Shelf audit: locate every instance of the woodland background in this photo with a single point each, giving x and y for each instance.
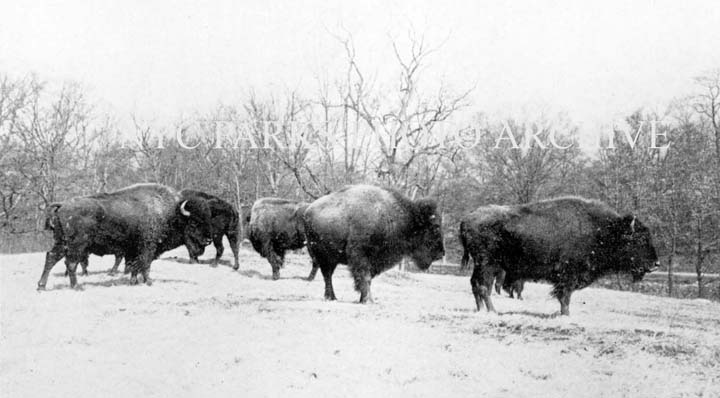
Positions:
(55, 143)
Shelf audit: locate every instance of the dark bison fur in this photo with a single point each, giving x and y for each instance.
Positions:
(513, 288)
(139, 222)
(276, 226)
(224, 221)
(370, 229)
(569, 242)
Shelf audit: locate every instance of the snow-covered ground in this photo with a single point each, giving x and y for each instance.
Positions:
(203, 331)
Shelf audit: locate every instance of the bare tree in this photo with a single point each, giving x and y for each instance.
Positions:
(707, 104)
(402, 121)
(524, 169)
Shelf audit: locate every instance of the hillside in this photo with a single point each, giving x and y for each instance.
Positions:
(211, 331)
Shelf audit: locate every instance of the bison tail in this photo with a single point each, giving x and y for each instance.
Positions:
(464, 260)
(466, 255)
(234, 224)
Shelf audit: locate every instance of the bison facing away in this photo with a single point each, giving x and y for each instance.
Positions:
(370, 229)
(570, 242)
(275, 227)
(223, 222)
(52, 221)
(140, 222)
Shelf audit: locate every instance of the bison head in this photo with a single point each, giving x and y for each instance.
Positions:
(637, 253)
(195, 213)
(298, 220)
(426, 234)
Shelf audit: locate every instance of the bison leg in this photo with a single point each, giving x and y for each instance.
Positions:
(518, 286)
(275, 260)
(313, 272)
(363, 282)
(71, 266)
(481, 282)
(234, 246)
(144, 261)
(84, 265)
(134, 265)
(51, 258)
(115, 267)
(499, 280)
(194, 256)
(563, 295)
(131, 263)
(219, 248)
(327, 272)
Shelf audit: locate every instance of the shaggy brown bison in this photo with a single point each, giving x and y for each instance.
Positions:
(370, 229)
(275, 227)
(569, 241)
(140, 222)
(51, 221)
(223, 222)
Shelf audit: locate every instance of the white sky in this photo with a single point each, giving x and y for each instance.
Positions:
(160, 59)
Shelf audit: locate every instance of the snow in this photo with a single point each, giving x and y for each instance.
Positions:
(204, 331)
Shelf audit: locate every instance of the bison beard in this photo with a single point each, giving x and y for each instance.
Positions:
(570, 242)
(140, 222)
(370, 229)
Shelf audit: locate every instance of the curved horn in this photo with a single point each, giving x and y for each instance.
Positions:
(183, 211)
(632, 225)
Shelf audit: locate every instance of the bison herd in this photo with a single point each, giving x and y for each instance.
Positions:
(569, 242)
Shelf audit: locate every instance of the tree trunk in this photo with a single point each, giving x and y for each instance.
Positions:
(699, 259)
(238, 204)
(671, 257)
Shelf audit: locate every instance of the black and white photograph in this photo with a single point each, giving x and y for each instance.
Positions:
(360, 198)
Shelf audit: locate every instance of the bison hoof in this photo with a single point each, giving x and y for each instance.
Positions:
(275, 276)
(41, 288)
(148, 282)
(134, 280)
(236, 267)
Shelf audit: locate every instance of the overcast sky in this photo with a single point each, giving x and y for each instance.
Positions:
(161, 59)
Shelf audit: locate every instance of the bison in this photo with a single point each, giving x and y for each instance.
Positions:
(370, 229)
(140, 222)
(224, 222)
(51, 221)
(276, 226)
(568, 241)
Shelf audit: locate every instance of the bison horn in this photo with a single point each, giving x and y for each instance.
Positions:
(182, 209)
(432, 217)
(632, 225)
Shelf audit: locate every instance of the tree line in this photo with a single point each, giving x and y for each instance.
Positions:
(55, 144)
